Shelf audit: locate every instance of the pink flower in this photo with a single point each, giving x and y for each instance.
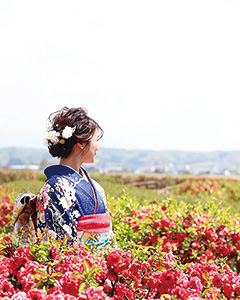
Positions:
(57, 295)
(210, 234)
(19, 296)
(181, 293)
(93, 293)
(195, 284)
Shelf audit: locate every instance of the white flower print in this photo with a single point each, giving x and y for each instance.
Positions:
(45, 194)
(67, 229)
(69, 192)
(76, 214)
(42, 217)
(64, 203)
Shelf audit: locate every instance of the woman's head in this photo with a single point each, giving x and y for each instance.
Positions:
(67, 127)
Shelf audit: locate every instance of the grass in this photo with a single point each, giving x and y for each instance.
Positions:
(14, 182)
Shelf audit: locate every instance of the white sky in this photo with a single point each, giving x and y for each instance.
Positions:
(154, 74)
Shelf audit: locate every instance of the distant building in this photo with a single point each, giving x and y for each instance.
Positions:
(24, 167)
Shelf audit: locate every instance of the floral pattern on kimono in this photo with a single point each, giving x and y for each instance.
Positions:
(64, 198)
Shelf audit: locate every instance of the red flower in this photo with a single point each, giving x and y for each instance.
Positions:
(108, 287)
(210, 234)
(179, 236)
(6, 208)
(69, 284)
(236, 237)
(167, 247)
(153, 239)
(222, 250)
(114, 258)
(54, 253)
(157, 223)
(4, 221)
(120, 269)
(7, 240)
(56, 288)
(209, 255)
(6, 289)
(228, 290)
(167, 222)
(237, 289)
(196, 245)
(164, 208)
(121, 289)
(37, 295)
(168, 279)
(69, 297)
(217, 280)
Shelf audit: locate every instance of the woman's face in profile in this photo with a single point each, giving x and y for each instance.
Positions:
(91, 149)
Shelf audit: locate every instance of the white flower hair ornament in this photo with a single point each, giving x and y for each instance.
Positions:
(60, 136)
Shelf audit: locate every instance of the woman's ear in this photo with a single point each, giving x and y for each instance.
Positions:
(79, 147)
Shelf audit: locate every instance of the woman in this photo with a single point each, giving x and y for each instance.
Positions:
(71, 205)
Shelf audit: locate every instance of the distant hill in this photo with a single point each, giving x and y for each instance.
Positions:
(110, 159)
(173, 161)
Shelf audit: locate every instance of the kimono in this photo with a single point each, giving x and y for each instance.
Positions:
(73, 206)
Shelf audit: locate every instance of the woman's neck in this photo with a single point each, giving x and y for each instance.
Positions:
(74, 159)
(72, 163)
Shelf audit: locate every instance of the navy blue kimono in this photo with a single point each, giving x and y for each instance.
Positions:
(64, 198)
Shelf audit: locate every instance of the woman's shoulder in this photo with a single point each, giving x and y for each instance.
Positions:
(60, 174)
(59, 170)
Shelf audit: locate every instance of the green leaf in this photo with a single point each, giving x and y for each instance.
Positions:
(86, 266)
(78, 274)
(90, 274)
(82, 287)
(41, 272)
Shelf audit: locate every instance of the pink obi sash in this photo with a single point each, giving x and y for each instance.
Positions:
(97, 223)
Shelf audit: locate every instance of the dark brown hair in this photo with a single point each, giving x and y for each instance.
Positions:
(72, 117)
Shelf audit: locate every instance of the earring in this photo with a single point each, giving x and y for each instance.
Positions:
(82, 149)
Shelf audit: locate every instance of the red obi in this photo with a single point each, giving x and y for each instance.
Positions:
(97, 223)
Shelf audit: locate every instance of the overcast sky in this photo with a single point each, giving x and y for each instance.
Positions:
(154, 74)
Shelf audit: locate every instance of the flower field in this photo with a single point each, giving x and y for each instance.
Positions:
(166, 249)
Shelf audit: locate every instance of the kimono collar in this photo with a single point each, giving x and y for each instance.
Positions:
(62, 170)
(85, 189)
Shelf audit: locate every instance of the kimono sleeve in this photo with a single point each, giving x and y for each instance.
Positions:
(57, 218)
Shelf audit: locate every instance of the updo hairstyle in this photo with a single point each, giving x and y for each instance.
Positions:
(75, 118)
